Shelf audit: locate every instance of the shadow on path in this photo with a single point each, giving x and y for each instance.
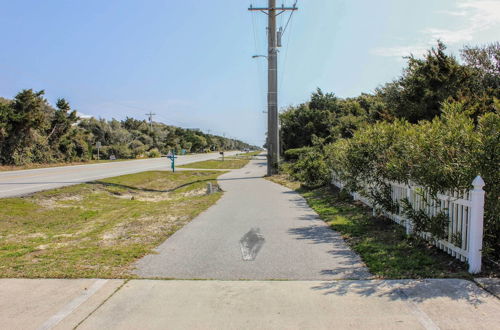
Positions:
(414, 290)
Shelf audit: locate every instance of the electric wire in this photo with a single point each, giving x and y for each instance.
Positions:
(285, 57)
(284, 28)
(290, 16)
(260, 68)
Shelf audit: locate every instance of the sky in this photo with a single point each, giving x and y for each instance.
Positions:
(190, 62)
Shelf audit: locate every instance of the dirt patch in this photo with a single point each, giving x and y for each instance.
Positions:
(153, 197)
(47, 203)
(65, 235)
(58, 202)
(197, 192)
(141, 230)
(125, 196)
(36, 235)
(76, 198)
(17, 236)
(42, 247)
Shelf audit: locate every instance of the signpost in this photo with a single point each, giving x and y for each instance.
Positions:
(222, 154)
(171, 155)
(98, 145)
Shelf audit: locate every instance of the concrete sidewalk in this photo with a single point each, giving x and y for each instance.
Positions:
(258, 230)
(158, 304)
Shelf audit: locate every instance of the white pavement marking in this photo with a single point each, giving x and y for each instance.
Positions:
(251, 243)
(72, 305)
(421, 316)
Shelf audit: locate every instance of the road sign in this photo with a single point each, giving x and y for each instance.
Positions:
(98, 145)
(171, 155)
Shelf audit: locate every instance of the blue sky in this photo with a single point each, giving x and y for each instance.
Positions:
(190, 61)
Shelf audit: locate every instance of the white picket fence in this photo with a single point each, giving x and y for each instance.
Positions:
(464, 210)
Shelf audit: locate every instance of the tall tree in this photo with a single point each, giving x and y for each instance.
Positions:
(26, 117)
(62, 121)
(425, 84)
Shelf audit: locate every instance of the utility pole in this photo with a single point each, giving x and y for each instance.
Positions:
(150, 118)
(273, 145)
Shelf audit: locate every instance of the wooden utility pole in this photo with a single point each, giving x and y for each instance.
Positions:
(150, 118)
(273, 145)
(272, 94)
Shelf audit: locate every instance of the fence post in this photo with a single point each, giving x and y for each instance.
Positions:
(476, 225)
(408, 223)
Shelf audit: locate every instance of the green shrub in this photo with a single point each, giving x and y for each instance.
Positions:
(442, 155)
(311, 168)
(294, 154)
(154, 153)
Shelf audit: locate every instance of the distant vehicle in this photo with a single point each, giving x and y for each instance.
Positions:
(112, 157)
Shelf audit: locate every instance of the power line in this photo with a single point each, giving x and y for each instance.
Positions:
(284, 62)
(290, 17)
(260, 69)
(150, 117)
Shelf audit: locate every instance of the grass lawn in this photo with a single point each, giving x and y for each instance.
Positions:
(98, 229)
(381, 243)
(249, 154)
(228, 163)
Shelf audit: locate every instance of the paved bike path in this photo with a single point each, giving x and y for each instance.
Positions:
(258, 230)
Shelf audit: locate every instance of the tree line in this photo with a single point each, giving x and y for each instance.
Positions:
(33, 131)
(437, 126)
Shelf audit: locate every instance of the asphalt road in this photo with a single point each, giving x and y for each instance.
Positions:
(17, 183)
(258, 230)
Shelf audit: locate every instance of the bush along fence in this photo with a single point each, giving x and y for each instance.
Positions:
(453, 222)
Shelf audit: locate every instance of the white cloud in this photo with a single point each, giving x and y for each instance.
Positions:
(479, 16)
(400, 51)
(453, 12)
(83, 116)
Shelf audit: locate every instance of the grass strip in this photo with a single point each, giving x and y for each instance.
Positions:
(98, 229)
(227, 163)
(382, 244)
